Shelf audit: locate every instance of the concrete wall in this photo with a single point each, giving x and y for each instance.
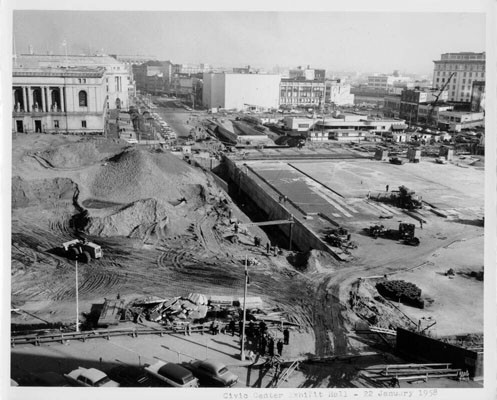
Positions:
(429, 349)
(266, 198)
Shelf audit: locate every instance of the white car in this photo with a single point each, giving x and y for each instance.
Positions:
(90, 377)
(172, 374)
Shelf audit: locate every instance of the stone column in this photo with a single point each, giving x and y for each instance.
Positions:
(42, 93)
(24, 100)
(62, 98)
(45, 97)
(30, 98)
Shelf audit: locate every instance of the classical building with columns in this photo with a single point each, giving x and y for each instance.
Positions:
(59, 100)
(118, 80)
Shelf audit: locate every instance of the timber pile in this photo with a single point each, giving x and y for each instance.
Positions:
(410, 372)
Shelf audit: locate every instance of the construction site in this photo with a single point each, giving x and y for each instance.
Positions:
(374, 269)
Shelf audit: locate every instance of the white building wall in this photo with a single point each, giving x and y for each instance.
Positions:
(234, 91)
(253, 89)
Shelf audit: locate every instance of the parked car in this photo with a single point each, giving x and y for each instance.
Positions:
(172, 374)
(90, 377)
(212, 373)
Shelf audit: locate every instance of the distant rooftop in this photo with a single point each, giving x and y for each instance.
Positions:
(86, 72)
(41, 60)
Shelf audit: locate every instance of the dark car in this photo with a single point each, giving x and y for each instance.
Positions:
(172, 374)
(212, 373)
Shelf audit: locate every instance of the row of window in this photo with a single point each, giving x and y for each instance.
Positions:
(470, 74)
(467, 67)
(56, 123)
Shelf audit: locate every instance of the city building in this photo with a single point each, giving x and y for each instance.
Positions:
(117, 78)
(346, 127)
(386, 83)
(478, 96)
(455, 121)
(191, 69)
(59, 100)
(410, 100)
(458, 71)
(153, 76)
(309, 74)
(391, 107)
(297, 92)
(338, 93)
(239, 91)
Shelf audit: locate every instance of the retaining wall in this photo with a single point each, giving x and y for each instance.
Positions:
(429, 349)
(266, 198)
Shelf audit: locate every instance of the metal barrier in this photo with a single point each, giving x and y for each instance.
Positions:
(62, 337)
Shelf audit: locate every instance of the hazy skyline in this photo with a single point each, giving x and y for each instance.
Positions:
(374, 42)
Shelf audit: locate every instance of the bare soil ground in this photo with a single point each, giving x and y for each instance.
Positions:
(162, 227)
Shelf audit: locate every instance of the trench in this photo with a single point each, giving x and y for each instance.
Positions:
(249, 207)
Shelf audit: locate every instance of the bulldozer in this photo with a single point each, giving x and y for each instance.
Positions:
(82, 250)
(406, 198)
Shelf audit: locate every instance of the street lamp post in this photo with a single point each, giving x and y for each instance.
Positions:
(77, 297)
(242, 355)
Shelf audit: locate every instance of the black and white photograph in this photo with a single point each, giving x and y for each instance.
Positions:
(269, 203)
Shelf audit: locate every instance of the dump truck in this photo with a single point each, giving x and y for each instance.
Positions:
(405, 233)
(82, 250)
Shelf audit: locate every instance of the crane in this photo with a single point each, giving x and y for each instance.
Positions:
(433, 104)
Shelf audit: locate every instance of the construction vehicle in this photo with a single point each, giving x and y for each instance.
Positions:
(396, 161)
(82, 250)
(339, 237)
(406, 198)
(405, 233)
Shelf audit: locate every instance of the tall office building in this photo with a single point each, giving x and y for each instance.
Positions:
(460, 70)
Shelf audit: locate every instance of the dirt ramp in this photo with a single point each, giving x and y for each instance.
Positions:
(43, 192)
(138, 219)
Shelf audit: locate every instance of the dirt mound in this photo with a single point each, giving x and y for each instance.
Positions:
(137, 220)
(79, 154)
(137, 174)
(41, 191)
(313, 261)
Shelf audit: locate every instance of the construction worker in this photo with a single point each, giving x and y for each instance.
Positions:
(387, 187)
(279, 346)
(232, 327)
(421, 223)
(262, 346)
(271, 347)
(268, 248)
(286, 336)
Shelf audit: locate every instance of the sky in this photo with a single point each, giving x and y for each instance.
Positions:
(337, 41)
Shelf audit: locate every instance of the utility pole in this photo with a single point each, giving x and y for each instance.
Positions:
(77, 297)
(242, 355)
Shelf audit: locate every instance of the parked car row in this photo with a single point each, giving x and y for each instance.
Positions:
(206, 373)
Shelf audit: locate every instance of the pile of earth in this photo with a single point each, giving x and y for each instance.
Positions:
(313, 261)
(82, 153)
(137, 220)
(136, 174)
(41, 192)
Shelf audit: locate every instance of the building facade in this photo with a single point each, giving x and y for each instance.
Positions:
(478, 96)
(411, 99)
(460, 70)
(117, 77)
(59, 100)
(239, 91)
(455, 121)
(386, 83)
(153, 76)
